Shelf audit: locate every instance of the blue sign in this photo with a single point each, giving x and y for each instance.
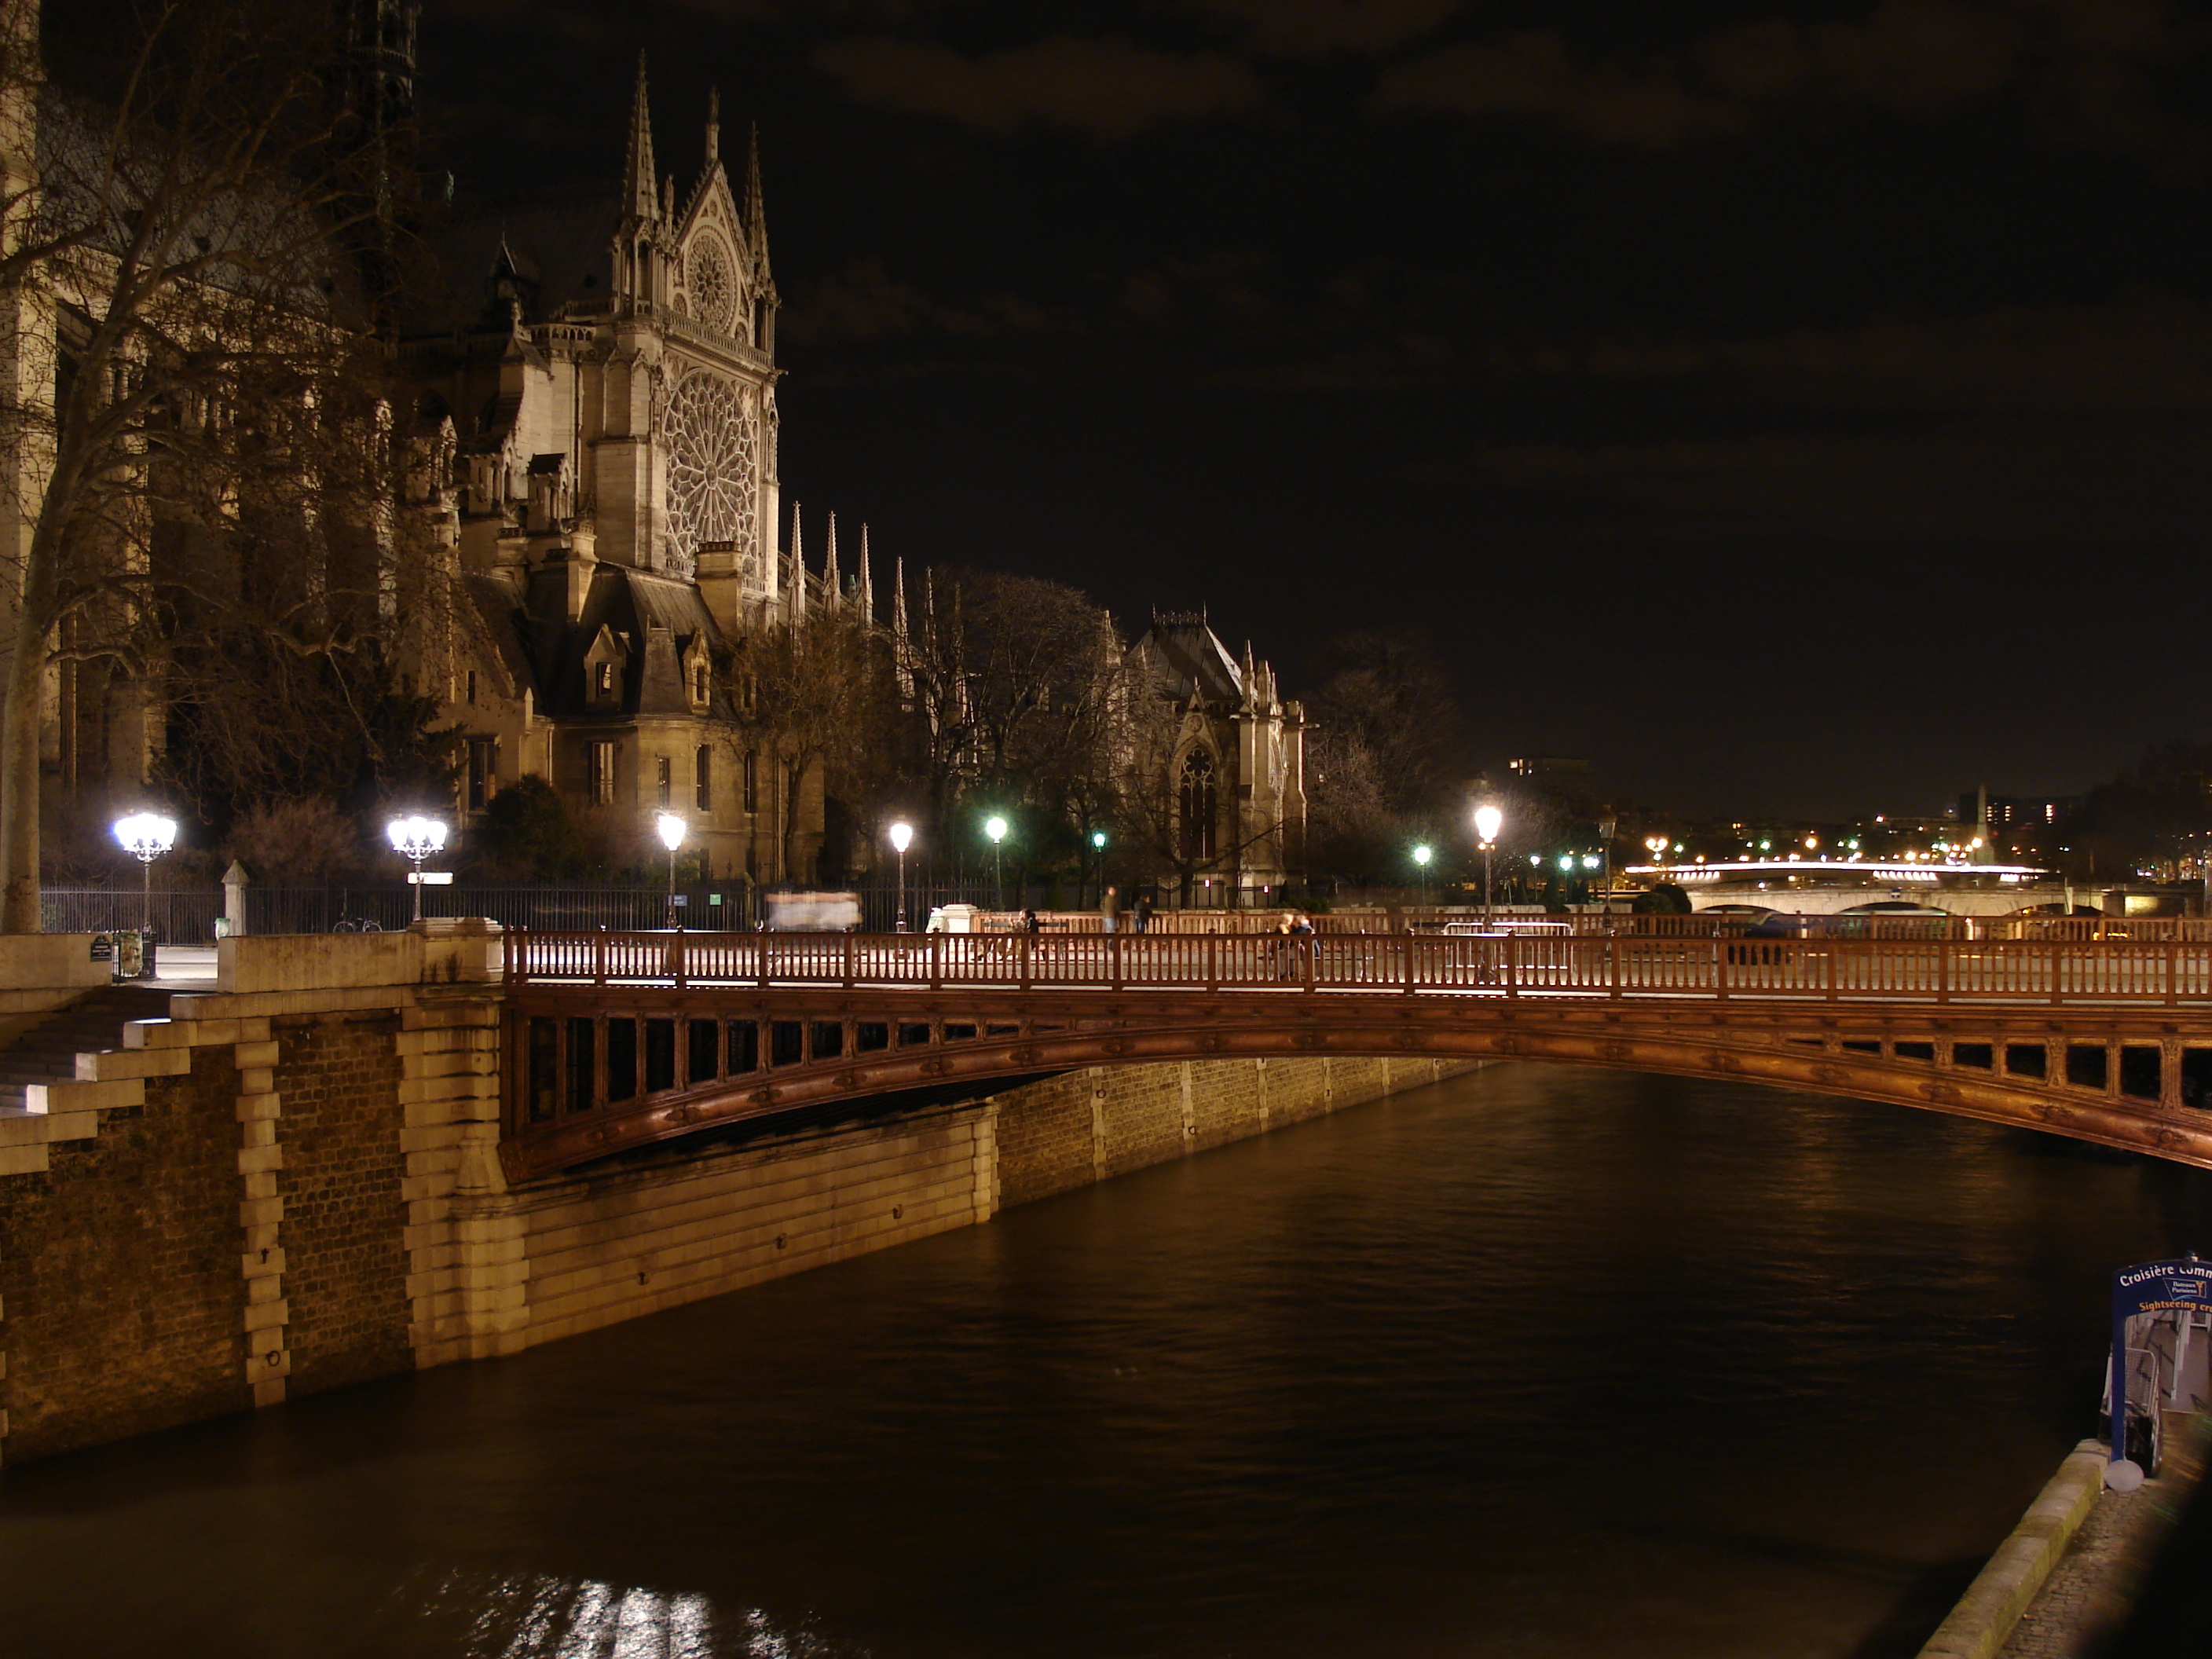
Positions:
(2150, 1287)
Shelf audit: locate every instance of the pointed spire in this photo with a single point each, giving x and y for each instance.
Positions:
(755, 213)
(1251, 677)
(640, 185)
(833, 579)
(713, 126)
(796, 577)
(868, 580)
(899, 646)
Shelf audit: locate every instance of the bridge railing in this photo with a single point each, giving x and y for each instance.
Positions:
(1555, 964)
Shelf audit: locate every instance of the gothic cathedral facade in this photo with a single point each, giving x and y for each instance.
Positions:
(598, 398)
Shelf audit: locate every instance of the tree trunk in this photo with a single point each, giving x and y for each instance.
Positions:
(19, 777)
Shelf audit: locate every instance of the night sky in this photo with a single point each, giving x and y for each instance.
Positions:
(1790, 407)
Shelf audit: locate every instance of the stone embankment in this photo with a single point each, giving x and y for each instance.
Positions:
(291, 1184)
(2061, 1585)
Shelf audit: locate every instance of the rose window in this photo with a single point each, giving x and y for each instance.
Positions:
(714, 290)
(712, 459)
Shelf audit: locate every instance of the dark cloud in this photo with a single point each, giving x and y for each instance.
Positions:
(1103, 86)
(1318, 28)
(2089, 71)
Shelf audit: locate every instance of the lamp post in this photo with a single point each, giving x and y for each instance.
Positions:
(995, 828)
(415, 838)
(1097, 862)
(1488, 821)
(146, 836)
(673, 830)
(902, 835)
(1422, 855)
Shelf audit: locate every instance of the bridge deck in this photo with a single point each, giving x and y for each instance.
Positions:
(616, 1042)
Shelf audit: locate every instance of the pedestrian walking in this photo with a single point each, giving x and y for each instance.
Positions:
(1109, 910)
(1143, 914)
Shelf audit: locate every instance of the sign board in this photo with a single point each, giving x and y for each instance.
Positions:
(680, 900)
(103, 948)
(430, 878)
(2150, 1287)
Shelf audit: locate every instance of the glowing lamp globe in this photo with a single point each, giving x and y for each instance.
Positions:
(1488, 821)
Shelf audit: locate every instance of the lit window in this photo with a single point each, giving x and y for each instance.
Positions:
(603, 774)
(605, 682)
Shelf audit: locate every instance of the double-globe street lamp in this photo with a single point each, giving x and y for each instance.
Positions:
(672, 829)
(146, 836)
(415, 838)
(902, 835)
(1488, 821)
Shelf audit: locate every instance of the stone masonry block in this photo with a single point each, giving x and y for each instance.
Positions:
(251, 1107)
(265, 1319)
(260, 1160)
(257, 1056)
(260, 1212)
(256, 1264)
(114, 1065)
(24, 1160)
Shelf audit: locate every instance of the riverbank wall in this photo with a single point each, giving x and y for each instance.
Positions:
(292, 1184)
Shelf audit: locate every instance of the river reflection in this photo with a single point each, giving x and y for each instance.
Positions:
(1538, 1361)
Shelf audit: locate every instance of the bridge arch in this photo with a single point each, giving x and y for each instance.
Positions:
(2123, 1078)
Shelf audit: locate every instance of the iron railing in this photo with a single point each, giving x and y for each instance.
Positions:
(2049, 972)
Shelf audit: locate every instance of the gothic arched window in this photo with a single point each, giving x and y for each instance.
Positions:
(1200, 807)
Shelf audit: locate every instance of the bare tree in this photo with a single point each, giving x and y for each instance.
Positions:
(1015, 692)
(189, 404)
(821, 697)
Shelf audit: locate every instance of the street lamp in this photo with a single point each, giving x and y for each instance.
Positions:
(146, 836)
(673, 830)
(415, 838)
(1488, 821)
(902, 835)
(1098, 864)
(1421, 856)
(995, 828)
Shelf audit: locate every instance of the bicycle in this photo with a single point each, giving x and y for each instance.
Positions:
(356, 925)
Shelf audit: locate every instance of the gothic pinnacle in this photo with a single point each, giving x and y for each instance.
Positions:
(713, 126)
(640, 185)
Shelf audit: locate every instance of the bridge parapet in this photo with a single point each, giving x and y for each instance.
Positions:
(2054, 972)
(614, 1043)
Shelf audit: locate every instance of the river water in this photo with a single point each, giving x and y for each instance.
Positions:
(1537, 1361)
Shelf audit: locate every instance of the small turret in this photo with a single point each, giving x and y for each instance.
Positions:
(867, 581)
(796, 607)
(833, 579)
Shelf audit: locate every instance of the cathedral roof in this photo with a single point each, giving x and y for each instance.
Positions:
(654, 619)
(1182, 653)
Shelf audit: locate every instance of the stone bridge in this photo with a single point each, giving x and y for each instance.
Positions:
(614, 1043)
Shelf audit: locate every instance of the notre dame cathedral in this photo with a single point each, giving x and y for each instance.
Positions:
(599, 380)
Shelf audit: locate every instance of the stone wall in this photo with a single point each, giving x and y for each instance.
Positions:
(1107, 1120)
(120, 1287)
(291, 1186)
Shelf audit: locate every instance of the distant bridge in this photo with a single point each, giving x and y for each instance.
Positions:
(617, 1041)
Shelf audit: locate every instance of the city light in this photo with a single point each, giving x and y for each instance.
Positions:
(902, 835)
(1488, 821)
(672, 829)
(415, 838)
(146, 836)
